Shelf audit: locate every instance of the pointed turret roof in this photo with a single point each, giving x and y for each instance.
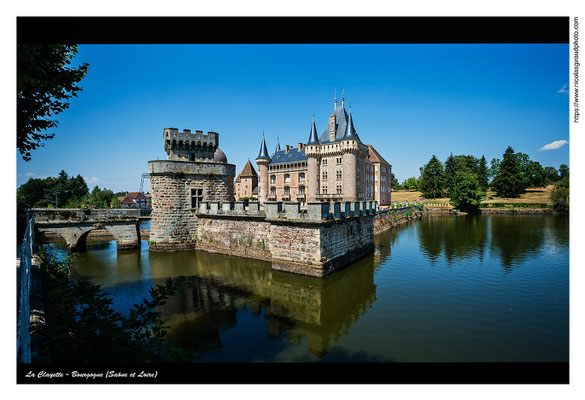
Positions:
(263, 155)
(313, 139)
(277, 145)
(350, 130)
(247, 172)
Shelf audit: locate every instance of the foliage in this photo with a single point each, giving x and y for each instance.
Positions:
(508, 182)
(533, 174)
(53, 191)
(394, 185)
(453, 164)
(45, 82)
(82, 326)
(248, 198)
(482, 174)
(559, 195)
(115, 202)
(551, 175)
(563, 171)
(494, 169)
(467, 192)
(431, 182)
(410, 184)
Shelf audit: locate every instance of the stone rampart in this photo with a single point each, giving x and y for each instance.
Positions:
(317, 241)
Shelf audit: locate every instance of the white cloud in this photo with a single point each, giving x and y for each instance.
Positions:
(557, 144)
(30, 174)
(564, 89)
(92, 180)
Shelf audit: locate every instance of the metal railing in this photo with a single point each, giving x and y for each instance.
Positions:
(23, 333)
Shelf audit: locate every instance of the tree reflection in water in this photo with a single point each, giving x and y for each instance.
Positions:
(512, 238)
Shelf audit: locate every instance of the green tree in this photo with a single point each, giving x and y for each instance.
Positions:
(551, 175)
(508, 182)
(454, 164)
(563, 171)
(116, 202)
(45, 81)
(431, 183)
(394, 183)
(482, 174)
(494, 169)
(559, 195)
(467, 193)
(532, 172)
(410, 184)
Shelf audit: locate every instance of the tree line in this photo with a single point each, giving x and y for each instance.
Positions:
(64, 191)
(465, 179)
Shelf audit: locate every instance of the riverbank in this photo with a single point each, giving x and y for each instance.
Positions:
(391, 219)
(98, 234)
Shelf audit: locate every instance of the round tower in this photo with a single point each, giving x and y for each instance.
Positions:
(262, 161)
(312, 153)
(350, 148)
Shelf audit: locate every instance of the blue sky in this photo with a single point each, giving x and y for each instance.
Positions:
(408, 101)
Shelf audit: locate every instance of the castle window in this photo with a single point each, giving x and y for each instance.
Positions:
(324, 162)
(324, 189)
(273, 191)
(287, 178)
(196, 197)
(301, 190)
(339, 188)
(301, 178)
(324, 175)
(272, 179)
(286, 192)
(338, 159)
(339, 174)
(192, 158)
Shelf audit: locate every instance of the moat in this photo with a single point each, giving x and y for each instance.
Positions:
(443, 288)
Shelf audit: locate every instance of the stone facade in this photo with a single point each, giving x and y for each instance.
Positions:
(196, 171)
(336, 166)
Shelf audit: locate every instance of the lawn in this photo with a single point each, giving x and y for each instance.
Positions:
(537, 195)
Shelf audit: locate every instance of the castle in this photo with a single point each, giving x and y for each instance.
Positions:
(335, 166)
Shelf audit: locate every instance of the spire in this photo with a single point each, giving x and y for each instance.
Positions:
(277, 145)
(263, 155)
(313, 139)
(350, 130)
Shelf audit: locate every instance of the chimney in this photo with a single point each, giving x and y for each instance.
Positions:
(301, 145)
(287, 148)
(332, 127)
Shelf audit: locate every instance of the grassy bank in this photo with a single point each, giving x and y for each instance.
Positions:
(532, 198)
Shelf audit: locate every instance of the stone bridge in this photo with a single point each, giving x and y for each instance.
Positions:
(74, 224)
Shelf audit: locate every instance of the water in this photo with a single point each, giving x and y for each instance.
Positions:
(443, 288)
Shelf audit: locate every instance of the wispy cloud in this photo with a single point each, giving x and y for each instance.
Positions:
(557, 144)
(564, 89)
(30, 174)
(92, 180)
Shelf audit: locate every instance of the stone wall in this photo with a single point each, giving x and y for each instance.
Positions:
(238, 236)
(393, 217)
(173, 220)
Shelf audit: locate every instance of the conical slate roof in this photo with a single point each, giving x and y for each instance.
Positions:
(350, 130)
(263, 155)
(277, 145)
(313, 139)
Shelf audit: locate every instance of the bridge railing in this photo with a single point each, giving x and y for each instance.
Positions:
(23, 333)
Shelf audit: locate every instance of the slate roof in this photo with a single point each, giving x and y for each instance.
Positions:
(340, 127)
(263, 155)
(313, 135)
(293, 155)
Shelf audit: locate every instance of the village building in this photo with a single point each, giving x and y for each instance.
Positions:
(246, 184)
(335, 166)
(135, 200)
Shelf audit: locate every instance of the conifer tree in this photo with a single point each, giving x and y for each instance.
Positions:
(482, 174)
(508, 182)
(431, 182)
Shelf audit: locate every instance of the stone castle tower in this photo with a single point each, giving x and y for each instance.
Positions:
(196, 170)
